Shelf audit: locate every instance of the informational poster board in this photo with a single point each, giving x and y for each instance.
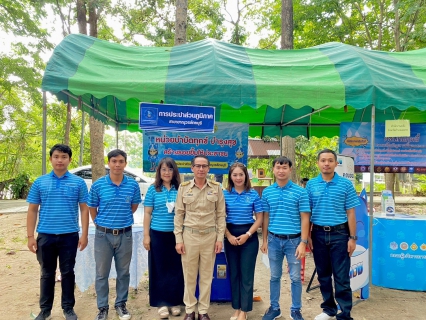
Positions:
(345, 167)
(226, 145)
(391, 155)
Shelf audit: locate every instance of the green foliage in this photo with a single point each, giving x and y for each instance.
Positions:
(154, 21)
(366, 23)
(20, 186)
(378, 187)
(20, 139)
(420, 189)
(130, 142)
(306, 154)
(261, 163)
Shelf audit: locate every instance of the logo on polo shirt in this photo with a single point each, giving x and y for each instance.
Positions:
(127, 199)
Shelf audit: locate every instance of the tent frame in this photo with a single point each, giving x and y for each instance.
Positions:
(281, 124)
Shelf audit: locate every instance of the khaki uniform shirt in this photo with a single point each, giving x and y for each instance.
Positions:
(200, 208)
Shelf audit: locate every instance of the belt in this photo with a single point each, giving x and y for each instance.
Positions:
(285, 236)
(204, 231)
(115, 232)
(330, 228)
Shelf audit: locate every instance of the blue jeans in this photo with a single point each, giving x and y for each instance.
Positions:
(277, 249)
(331, 258)
(108, 246)
(49, 248)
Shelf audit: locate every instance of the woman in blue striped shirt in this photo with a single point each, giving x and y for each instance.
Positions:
(164, 263)
(242, 243)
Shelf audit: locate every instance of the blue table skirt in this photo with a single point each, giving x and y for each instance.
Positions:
(85, 261)
(399, 252)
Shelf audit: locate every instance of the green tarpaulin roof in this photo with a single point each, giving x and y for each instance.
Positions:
(266, 88)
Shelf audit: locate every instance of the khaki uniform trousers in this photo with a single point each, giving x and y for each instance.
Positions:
(199, 259)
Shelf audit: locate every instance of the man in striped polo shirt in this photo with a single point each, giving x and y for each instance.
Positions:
(285, 234)
(59, 195)
(333, 200)
(112, 201)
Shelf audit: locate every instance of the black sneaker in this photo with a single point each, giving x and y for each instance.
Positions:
(43, 315)
(103, 314)
(70, 314)
(122, 312)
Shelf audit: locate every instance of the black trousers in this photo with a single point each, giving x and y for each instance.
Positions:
(165, 270)
(49, 248)
(241, 262)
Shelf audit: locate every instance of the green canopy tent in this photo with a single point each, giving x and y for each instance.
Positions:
(290, 92)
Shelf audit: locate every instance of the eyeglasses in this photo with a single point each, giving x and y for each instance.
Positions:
(166, 170)
(199, 166)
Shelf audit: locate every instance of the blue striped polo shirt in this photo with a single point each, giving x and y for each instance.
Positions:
(161, 219)
(330, 200)
(285, 204)
(58, 198)
(114, 202)
(240, 206)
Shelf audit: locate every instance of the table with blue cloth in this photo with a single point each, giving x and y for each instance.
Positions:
(399, 252)
(85, 266)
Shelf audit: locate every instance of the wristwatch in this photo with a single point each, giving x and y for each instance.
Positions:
(249, 234)
(353, 237)
(304, 241)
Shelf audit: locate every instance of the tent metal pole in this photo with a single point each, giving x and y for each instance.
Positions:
(44, 136)
(275, 124)
(94, 109)
(371, 203)
(80, 106)
(281, 141)
(306, 115)
(116, 137)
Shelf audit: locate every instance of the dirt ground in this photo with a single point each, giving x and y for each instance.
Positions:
(19, 289)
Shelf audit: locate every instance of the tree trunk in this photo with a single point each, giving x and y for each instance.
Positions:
(97, 130)
(180, 30)
(181, 21)
(390, 183)
(288, 143)
(81, 16)
(397, 189)
(96, 127)
(397, 31)
(93, 18)
(289, 148)
(286, 24)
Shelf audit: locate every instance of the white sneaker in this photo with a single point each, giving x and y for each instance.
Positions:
(323, 316)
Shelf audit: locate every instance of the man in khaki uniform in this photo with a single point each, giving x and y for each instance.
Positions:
(199, 229)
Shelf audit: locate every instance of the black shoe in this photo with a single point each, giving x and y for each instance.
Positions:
(43, 315)
(70, 314)
(123, 313)
(103, 314)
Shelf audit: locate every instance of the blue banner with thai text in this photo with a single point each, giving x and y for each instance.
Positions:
(391, 155)
(154, 116)
(226, 145)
